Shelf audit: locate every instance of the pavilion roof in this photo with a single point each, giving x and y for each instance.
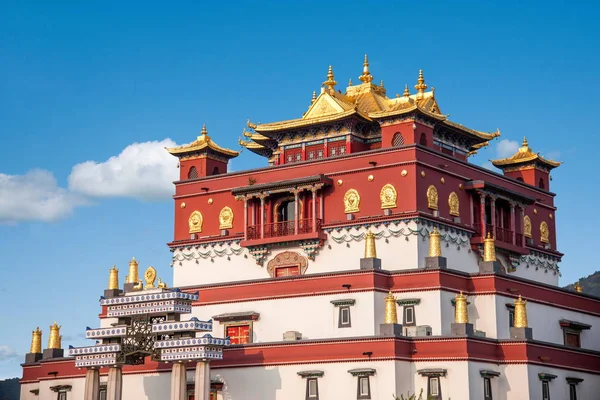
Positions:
(203, 143)
(525, 156)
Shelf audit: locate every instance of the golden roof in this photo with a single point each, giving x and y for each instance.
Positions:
(201, 143)
(525, 155)
(367, 101)
(256, 148)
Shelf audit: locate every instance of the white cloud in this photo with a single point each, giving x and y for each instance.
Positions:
(6, 353)
(506, 148)
(34, 196)
(143, 171)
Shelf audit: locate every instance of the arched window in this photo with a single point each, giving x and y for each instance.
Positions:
(541, 184)
(397, 140)
(286, 211)
(193, 173)
(423, 140)
(215, 171)
(520, 179)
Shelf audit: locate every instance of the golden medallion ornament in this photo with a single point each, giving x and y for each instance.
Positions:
(404, 172)
(432, 197)
(150, 277)
(182, 204)
(226, 218)
(351, 201)
(527, 226)
(370, 178)
(195, 222)
(544, 232)
(578, 287)
(388, 196)
(454, 204)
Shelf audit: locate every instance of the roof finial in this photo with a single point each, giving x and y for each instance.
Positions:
(406, 91)
(330, 82)
(204, 131)
(350, 82)
(314, 96)
(525, 143)
(366, 76)
(421, 86)
(381, 84)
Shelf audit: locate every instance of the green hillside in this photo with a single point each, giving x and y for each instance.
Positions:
(9, 389)
(591, 284)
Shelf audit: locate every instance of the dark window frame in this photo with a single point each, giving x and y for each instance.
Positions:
(545, 390)
(572, 391)
(430, 386)
(358, 393)
(341, 323)
(62, 395)
(574, 333)
(404, 314)
(487, 389)
(308, 381)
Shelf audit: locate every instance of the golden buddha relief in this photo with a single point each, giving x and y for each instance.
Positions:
(351, 201)
(544, 232)
(388, 196)
(195, 222)
(454, 204)
(527, 226)
(226, 218)
(432, 197)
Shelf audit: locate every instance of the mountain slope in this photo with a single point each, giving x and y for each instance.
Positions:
(591, 284)
(9, 389)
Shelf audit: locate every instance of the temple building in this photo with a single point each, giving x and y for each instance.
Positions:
(366, 258)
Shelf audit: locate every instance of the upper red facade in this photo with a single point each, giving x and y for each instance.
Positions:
(357, 157)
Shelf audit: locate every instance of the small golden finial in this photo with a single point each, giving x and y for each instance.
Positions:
(370, 250)
(381, 84)
(161, 284)
(330, 82)
(489, 248)
(139, 285)
(150, 276)
(350, 82)
(113, 278)
(132, 276)
(406, 91)
(36, 341)
(461, 314)
(366, 76)
(520, 320)
(525, 144)
(578, 288)
(54, 341)
(391, 316)
(435, 247)
(204, 131)
(314, 96)
(421, 86)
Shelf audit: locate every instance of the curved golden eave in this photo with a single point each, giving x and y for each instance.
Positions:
(203, 142)
(256, 148)
(301, 122)
(525, 155)
(479, 134)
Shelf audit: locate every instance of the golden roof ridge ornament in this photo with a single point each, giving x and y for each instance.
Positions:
(132, 276)
(366, 76)
(330, 82)
(391, 315)
(54, 341)
(113, 278)
(461, 314)
(520, 319)
(435, 247)
(36, 341)
(421, 86)
(406, 91)
(578, 287)
(489, 248)
(314, 97)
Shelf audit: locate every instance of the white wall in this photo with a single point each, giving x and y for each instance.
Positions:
(559, 388)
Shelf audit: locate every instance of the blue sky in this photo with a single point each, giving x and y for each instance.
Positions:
(91, 92)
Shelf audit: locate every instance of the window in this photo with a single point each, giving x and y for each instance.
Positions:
(409, 316)
(311, 155)
(215, 171)
(286, 211)
(423, 140)
(193, 173)
(397, 139)
(433, 388)
(344, 317)
(238, 334)
(298, 156)
(62, 395)
(290, 158)
(102, 394)
(541, 184)
(487, 389)
(511, 317)
(520, 179)
(572, 338)
(319, 153)
(364, 388)
(572, 391)
(343, 150)
(287, 271)
(545, 390)
(312, 388)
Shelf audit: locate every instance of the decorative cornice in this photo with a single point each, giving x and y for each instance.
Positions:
(311, 374)
(485, 373)
(239, 316)
(362, 372)
(408, 302)
(432, 372)
(343, 302)
(546, 377)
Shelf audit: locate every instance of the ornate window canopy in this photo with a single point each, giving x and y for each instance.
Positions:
(546, 377)
(432, 372)
(315, 373)
(306, 183)
(408, 302)
(362, 372)
(287, 259)
(61, 388)
(239, 316)
(343, 302)
(486, 373)
(573, 381)
(565, 323)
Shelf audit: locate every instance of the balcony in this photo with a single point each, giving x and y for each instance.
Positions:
(286, 230)
(503, 237)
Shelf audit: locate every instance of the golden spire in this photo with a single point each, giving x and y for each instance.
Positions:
(314, 96)
(132, 276)
(330, 82)
(461, 314)
(578, 288)
(55, 338)
(381, 84)
(370, 250)
(520, 320)
(421, 86)
(489, 248)
(406, 91)
(366, 76)
(525, 143)
(113, 278)
(350, 82)
(435, 248)
(36, 341)
(391, 317)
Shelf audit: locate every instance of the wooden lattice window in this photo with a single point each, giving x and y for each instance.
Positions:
(397, 139)
(193, 173)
